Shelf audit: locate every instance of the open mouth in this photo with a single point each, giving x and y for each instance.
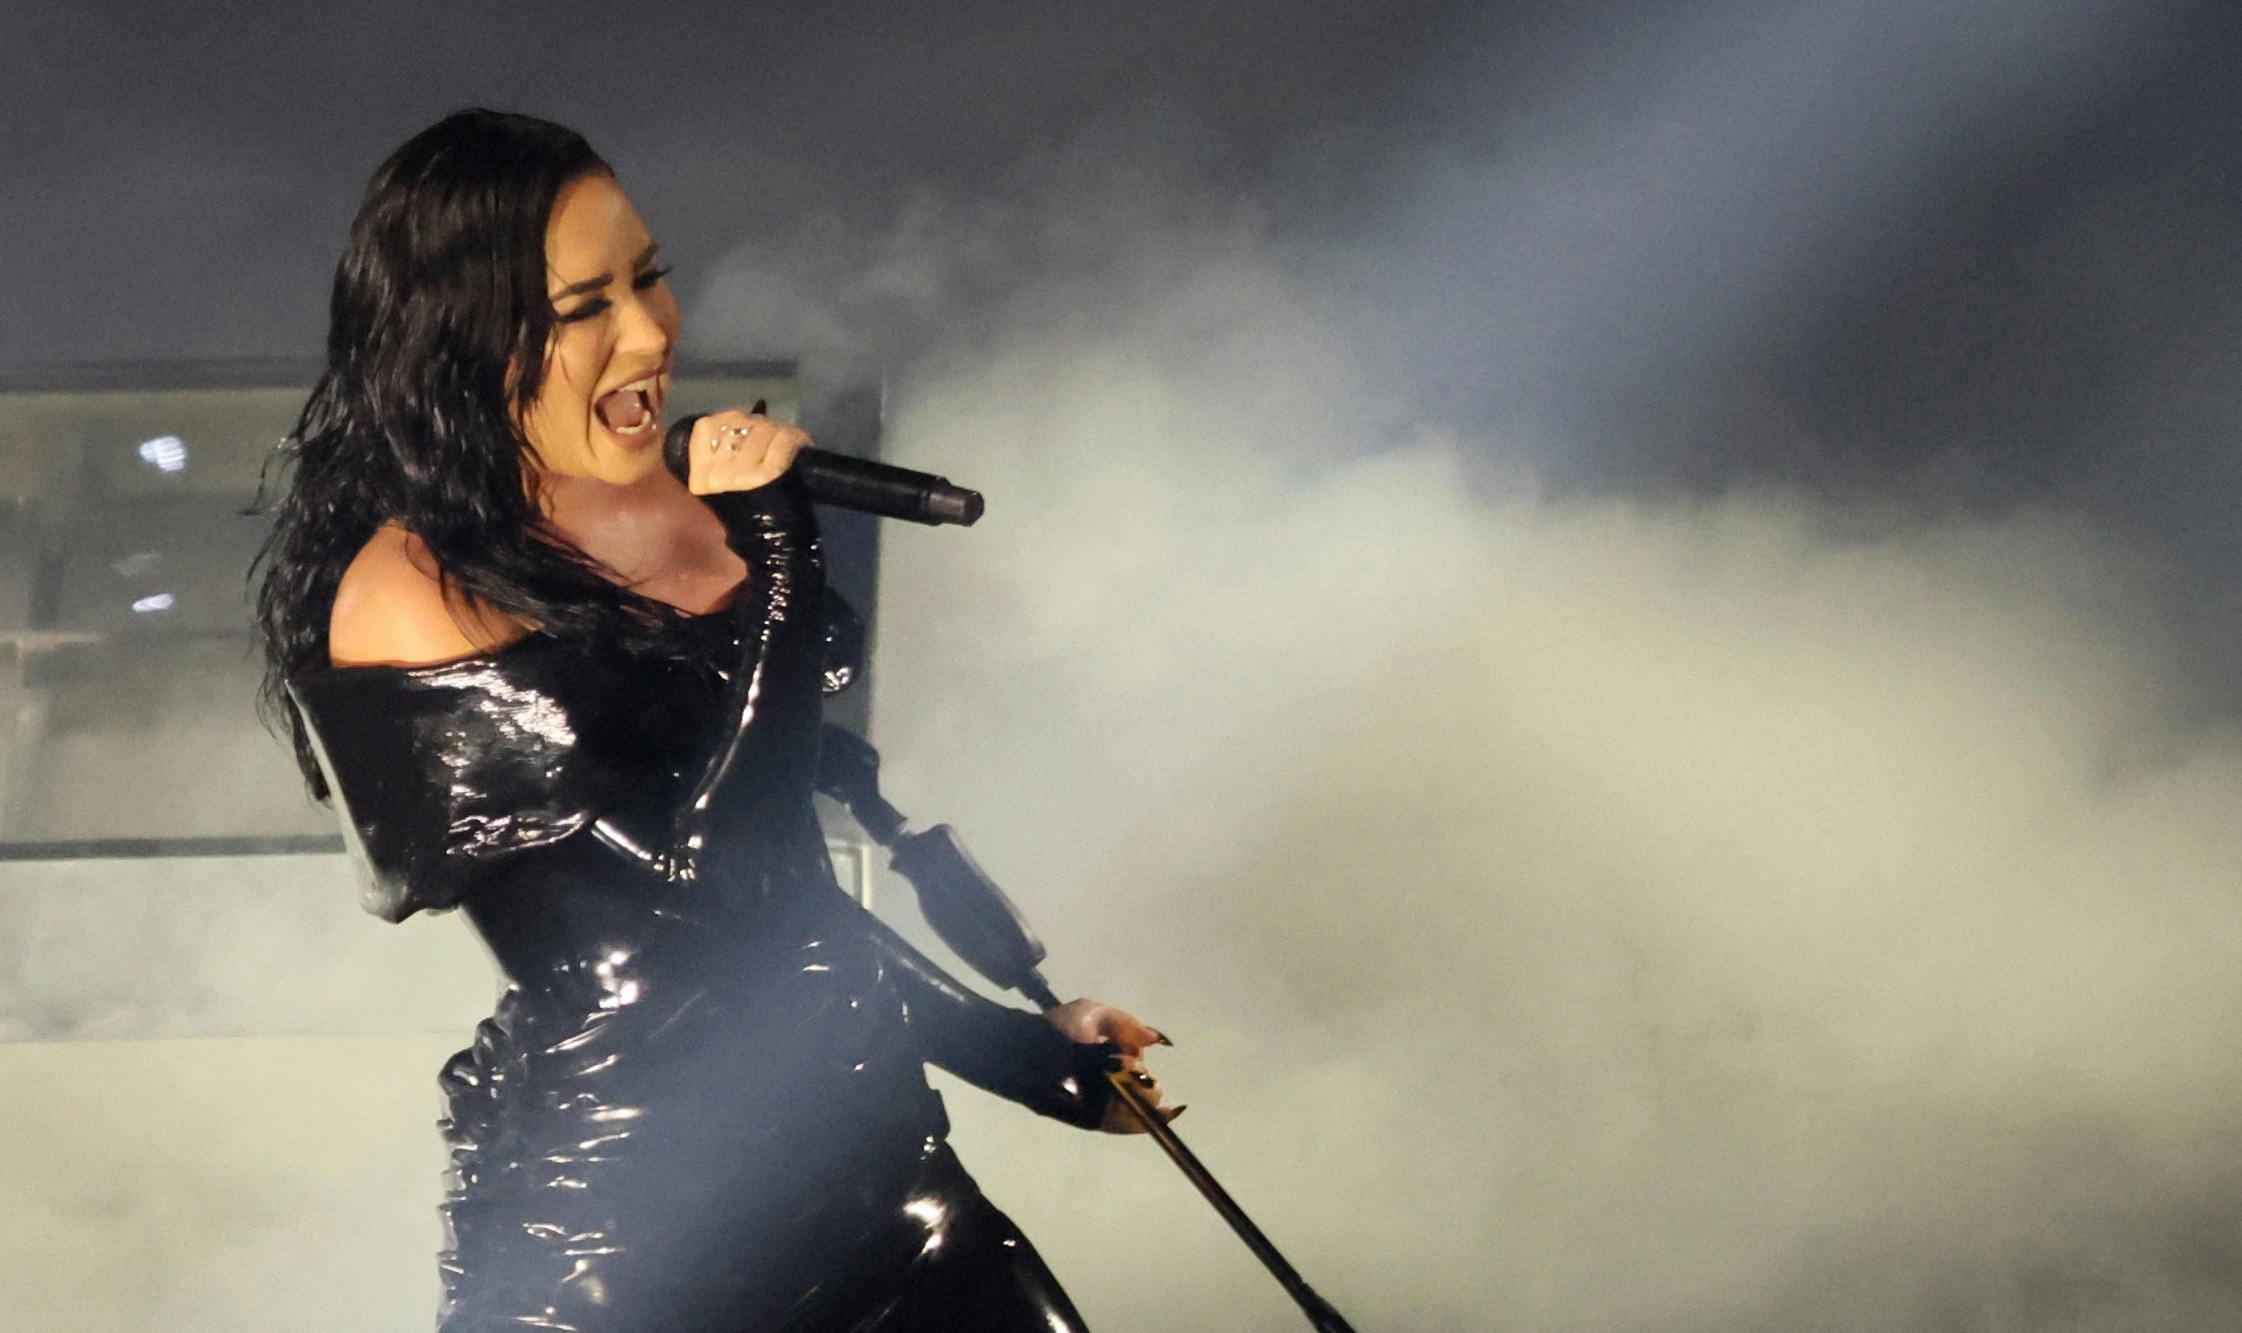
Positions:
(634, 409)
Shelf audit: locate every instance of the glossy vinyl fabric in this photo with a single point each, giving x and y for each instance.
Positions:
(700, 1102)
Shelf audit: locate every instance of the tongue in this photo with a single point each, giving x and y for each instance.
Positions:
(623, 409)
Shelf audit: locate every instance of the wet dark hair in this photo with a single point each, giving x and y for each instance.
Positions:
(436, 340)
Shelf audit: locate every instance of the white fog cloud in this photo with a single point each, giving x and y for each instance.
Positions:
(1577, 913)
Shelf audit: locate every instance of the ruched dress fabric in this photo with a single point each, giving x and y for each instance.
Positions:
(700, 1103)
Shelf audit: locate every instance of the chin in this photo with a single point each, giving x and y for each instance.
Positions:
(631, 469)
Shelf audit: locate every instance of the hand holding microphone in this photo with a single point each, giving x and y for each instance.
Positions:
(737, 451)
(731, 451)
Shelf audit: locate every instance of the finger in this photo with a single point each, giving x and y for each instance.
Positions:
(1124, 1117)
(714, 436)
(1126, 1114)
(764, 454)
(786, 445)
(1081, 1020)
(736, 451)
(1130, 1033)
(1137, 1077)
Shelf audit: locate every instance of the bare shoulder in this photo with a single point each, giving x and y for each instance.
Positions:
(390, 610)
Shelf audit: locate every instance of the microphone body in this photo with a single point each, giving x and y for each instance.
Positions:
(855, 483)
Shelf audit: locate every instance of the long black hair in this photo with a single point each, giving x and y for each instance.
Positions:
(436, 341)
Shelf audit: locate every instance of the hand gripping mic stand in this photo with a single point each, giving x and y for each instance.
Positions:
(977, 921)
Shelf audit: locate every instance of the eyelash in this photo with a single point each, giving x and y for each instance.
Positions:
(590, 309)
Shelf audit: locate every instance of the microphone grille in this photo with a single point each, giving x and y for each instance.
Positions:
(677, 446)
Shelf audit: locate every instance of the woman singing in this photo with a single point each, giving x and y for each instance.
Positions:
(547, 683)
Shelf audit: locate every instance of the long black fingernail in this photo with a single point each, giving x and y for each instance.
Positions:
(1163, 1038)
(761, 406)
(1177, 1114)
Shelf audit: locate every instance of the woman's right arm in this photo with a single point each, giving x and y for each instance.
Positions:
(443, 768)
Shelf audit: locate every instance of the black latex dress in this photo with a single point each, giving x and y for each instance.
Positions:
(700, 1103)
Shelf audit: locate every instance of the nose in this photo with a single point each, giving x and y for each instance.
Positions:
(647, 322)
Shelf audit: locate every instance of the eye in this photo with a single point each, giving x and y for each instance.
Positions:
(598, 306)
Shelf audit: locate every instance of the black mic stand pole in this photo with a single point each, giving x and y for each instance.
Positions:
(975, 918)
(1320, 1313)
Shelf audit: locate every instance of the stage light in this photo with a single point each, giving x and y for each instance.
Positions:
(165, 453)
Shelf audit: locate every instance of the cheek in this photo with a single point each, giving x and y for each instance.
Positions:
(571, 371)
(564, 398)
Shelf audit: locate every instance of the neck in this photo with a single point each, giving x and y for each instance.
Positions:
(568, 502)
(637, 528)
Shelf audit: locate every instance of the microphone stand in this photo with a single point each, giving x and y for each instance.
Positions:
(1321, 1315)
(979, 923)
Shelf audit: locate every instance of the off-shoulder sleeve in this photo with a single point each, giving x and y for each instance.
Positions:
(441, 773)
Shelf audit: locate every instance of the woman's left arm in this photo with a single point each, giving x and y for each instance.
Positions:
(1057, 1065)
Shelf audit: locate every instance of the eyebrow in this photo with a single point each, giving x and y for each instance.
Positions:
(593, 284)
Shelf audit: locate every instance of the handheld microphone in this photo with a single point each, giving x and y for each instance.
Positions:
(855, 483)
